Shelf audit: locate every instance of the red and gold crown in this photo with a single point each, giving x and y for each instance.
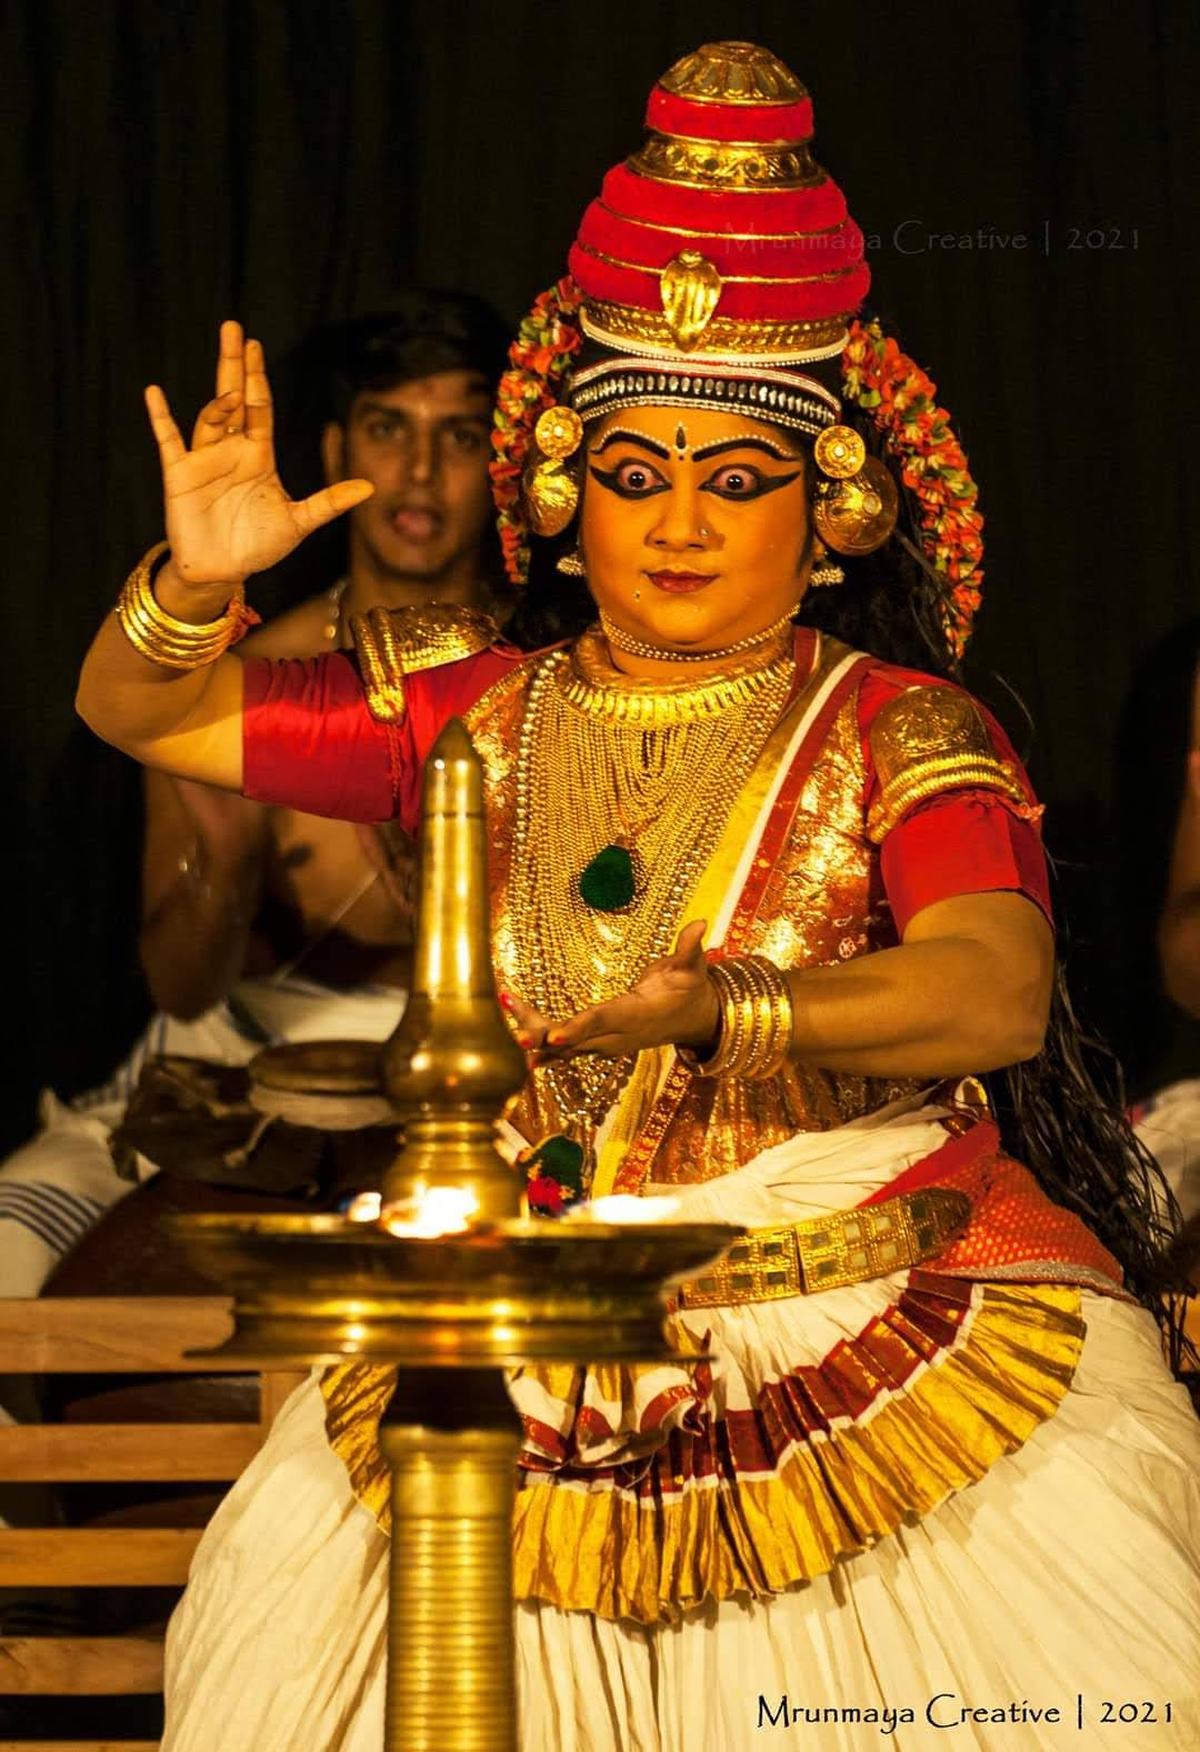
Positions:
(719, 267)
(722, 238)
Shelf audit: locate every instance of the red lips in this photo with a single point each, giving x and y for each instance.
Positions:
(680, 583)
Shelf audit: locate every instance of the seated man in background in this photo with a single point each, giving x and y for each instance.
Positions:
(262, 925)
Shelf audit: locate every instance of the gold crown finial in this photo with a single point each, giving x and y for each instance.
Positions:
(690, 287)
(733, 73)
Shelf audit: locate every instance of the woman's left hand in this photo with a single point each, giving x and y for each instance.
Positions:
(673, 1004)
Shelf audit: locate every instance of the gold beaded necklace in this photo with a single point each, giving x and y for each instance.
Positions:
(605, 760)
(620, 640)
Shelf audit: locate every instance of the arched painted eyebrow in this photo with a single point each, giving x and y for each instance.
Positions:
(618, 436)
(764, 444)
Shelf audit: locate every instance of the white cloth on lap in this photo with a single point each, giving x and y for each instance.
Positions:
(1070, 1568)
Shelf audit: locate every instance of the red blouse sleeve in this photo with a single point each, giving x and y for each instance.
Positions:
(962, 840)
(309, 741)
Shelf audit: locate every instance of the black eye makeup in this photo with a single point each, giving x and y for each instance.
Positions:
(740, 481)
(630, 479)
(635, 478)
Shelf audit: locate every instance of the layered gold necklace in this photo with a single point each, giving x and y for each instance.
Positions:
(610, 765)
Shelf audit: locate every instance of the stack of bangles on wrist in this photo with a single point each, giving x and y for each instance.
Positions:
(176, 644)
(756, 1019)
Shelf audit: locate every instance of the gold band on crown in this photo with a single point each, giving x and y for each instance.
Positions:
(160, 637)
(744, 340)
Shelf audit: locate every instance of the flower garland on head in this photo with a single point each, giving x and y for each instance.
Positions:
(933, 465)
(538, 361)
(882, 380)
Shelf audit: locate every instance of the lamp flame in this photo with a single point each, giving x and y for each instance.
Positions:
(438, 1210)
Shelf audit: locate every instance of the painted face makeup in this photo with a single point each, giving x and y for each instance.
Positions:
(710, 511)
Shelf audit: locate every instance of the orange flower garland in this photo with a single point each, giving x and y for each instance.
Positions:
(933, 465)
(538, 361)
(876, 374)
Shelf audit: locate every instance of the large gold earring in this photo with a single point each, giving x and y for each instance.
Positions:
(551, 491)
(571, 564)
(857, 503)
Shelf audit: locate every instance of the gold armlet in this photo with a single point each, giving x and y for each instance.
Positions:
(945, 773)
(171, 643)
(756, 1020)
(393, 643)
(932, 739)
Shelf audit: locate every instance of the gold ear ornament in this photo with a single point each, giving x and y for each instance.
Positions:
(857, 502)
(551, 491)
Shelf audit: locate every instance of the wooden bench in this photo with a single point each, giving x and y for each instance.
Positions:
(107, 1336)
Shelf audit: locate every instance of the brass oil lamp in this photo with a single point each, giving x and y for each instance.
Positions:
(451, 1283)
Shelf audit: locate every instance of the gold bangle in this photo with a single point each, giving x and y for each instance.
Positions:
(167, 641)
(756, 1020)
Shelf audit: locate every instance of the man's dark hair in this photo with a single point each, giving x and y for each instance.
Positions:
(419, 334)
(422, 333)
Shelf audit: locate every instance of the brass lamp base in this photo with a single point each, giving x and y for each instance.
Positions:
(451, 1442)
(321, 1289)
(452, 1311)
(452, 1302)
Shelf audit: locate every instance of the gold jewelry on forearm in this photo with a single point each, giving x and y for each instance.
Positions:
(172, 643)
(757, 1019)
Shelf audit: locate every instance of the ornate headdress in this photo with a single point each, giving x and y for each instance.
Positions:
(719, 267)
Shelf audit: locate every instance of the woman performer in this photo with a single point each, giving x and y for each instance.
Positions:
(767, 890)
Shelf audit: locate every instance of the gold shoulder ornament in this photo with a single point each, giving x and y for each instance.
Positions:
(929, 740)
(393, 643)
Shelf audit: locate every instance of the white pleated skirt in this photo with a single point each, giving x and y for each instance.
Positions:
(1054, 1604)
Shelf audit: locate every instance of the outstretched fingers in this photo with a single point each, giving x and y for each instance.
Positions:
(329, 503)
(171, 447)
(217, 419)
(231, 369)
(606, 1028)
(260, 413)
(529, 1024)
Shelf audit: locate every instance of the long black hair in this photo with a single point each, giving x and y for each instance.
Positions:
(1061, 1113)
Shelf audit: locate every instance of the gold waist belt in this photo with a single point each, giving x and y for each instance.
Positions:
(827, 1253)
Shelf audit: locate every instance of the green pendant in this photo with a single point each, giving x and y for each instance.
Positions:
(559, 1158)
(553, 1176)
(609, 882)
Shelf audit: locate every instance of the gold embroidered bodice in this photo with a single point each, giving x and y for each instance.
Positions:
(820, 907)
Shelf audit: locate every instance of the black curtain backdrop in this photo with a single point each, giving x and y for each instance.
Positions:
(164, 166)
